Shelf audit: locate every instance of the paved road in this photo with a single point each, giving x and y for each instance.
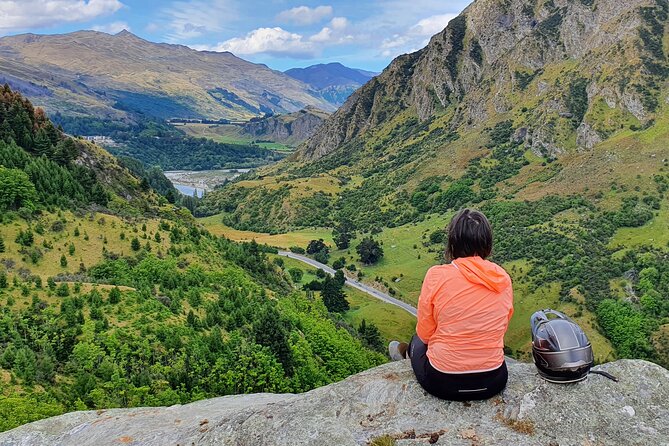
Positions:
(353, 283)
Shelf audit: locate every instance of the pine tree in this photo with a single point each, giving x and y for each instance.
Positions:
(63, 261)
(2, 244)
(343, 233)
(333, 296)
(43, 144)
(114, 295)
(135, 245)
(270, 332)
(371, 335)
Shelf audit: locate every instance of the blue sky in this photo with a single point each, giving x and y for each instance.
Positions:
(283, 34)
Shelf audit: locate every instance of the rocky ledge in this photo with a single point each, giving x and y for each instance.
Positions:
(386, 406)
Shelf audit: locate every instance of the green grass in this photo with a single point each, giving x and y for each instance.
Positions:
(393, 322)
(654, 233)
(285, 241)
(103, 231)
(230, 134)
(527, 301)
(401, 260)
(276, 146)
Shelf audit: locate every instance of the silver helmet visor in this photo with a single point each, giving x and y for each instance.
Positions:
(568, 359)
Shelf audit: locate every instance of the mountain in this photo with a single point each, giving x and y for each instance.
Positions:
(554, 87)
(566, 74)
(386, 406)
(334, 81)
(108, 76)
(551, 117)
(293, 128)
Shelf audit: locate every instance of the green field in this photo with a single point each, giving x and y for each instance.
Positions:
(654, 233)
(285, 241)
(405, 260)
(393, 322)
(230, 134)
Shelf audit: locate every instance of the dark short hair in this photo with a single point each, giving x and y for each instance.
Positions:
(469, 234)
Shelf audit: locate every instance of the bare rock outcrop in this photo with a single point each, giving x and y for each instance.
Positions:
(387, 401)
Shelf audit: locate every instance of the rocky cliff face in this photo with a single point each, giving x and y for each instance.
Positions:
(293, 128)
(386, 402)
(548, 64)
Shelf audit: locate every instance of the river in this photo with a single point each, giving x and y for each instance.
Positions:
(189, 182)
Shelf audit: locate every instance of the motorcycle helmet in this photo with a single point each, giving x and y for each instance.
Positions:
(561, 350)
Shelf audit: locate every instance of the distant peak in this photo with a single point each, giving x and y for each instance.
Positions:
(124, 33)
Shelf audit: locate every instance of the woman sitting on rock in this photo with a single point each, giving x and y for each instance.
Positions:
(463, 313)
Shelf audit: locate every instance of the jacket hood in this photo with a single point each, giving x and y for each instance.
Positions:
(483, 272)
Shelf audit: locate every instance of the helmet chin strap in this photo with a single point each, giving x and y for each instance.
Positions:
(606, 374)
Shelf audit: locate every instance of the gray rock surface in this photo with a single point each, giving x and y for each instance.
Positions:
(388, 401)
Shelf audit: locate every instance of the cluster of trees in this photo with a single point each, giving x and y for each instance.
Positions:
(196, 322)
(370, 251)
(177, 152)
(319, 250)
(36, 161)
(343, 233)
(158, 144)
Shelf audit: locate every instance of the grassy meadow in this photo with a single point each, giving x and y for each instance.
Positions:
(96, 233)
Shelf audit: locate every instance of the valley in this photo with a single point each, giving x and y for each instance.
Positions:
(164, 211)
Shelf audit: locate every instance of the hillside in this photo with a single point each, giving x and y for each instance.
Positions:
(44, 168)
(550, 116)
(334, 81)
(90, 73)
(385, 406)
(111, 295)
(293, 128)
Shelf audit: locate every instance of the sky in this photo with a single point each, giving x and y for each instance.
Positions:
(282, 34)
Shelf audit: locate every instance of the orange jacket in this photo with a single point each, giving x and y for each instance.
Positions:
(463, 312)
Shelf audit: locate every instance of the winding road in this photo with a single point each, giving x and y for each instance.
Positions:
(352, 283)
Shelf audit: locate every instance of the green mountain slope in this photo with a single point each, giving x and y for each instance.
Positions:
(96, 74)
(112, 297)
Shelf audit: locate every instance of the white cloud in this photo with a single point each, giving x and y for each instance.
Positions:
(432, 25)
(18, 15)
(335, 33)
(304, 15)
(339, 23)
(272, 41)
(279, 42)
(187, 20)
(416, 37)
(112, 28)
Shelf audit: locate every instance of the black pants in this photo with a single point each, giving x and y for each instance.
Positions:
(454, 386)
